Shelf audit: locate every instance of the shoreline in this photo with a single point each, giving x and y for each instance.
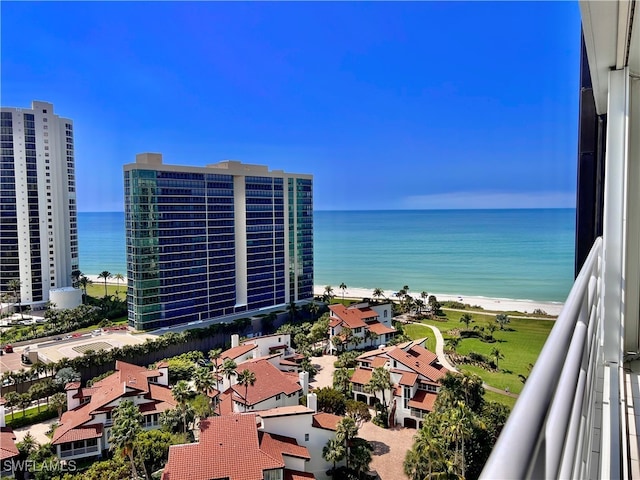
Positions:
(487, 303)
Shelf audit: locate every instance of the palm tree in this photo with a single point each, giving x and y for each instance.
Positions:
(466, 318)
(14, 286)
(346, 431)
(246, 378)
(292, 308)
(343, 287)
(203, 381)
(229, 369)
(342, 381)
(24, 401)
(58, 401)
(328, 293)
(458, 429)
(333, 452)
(127, 425)
(360, 456)
(379, 382)
(12, 399)
(497, 355)
(378, 293)
(181, 393)
(119, 277)
(424, 296)
(75, 276)
(84, 282)
(106, 275)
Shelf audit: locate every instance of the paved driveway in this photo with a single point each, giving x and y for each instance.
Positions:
(390, 445)
(324, 377)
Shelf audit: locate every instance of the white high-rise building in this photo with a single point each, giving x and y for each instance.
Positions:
(38, 224)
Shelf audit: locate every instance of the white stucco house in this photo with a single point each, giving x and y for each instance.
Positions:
(84, 428)
(415, 374)
(370, 325)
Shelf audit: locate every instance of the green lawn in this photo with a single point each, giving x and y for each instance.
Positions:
(31, 415)
(496, 397)
(520, 344)
(415, 331)
(97, 290)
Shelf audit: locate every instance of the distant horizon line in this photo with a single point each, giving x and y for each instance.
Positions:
(396, 209)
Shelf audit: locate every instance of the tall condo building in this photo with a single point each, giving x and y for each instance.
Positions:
(38, 225)
(204, 242)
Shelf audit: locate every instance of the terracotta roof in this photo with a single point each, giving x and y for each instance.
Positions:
(380, 328)
(284, 411)
(296, 475)
(278, 445)
(84, 432)
(288, 363)
(420, 360)
(72, 386)
(407, 378)
(327, 421)
(8, 447)
(228, 448)
(226, 404)
(270, 381)
(361, 376)
(127, 380)
(385, 350)
(423, 400)
(84, 392)
(162, 365)
(236, 352)
(352, 317)
(379, 362)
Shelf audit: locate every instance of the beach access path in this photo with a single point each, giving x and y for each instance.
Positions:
(442, 358)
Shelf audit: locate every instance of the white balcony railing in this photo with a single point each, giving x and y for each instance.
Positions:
(555, 427)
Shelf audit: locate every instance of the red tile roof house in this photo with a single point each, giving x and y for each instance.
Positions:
(84, 427)
(272, 388)
(276, 347)
(415, 374)
(362, 319)
(8, 449)
(276, 344)
(309, 428)
(283, 443)
(231, 447)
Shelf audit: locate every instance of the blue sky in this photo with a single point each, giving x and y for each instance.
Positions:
(388, 105)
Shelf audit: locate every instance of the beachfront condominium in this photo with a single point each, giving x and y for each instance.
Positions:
(206, 242)
(39, 240)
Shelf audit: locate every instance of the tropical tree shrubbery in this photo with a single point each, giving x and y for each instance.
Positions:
(348, 446)
(457, 437)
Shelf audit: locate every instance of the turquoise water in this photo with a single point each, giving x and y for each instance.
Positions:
(524, 254)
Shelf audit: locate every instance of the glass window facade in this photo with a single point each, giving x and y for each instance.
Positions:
(181, 244)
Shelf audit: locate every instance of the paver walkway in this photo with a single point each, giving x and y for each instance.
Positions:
(37, 431)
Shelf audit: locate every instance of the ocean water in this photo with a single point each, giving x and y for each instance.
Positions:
(522, 254)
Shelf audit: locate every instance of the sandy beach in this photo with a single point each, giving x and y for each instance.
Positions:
(488, 303)
(499, 304)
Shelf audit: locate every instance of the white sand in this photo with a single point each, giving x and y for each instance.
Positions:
(499, 304)
(110, 281)
(488, 303)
